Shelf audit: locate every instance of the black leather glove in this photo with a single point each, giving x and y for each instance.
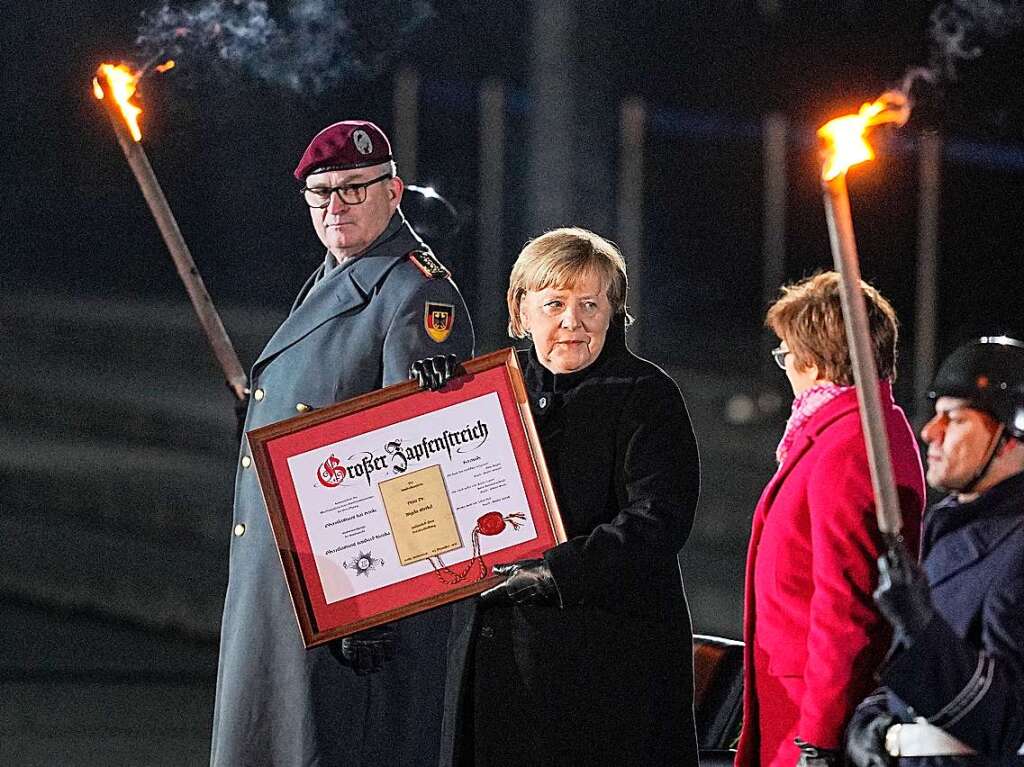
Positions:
(434, 372)
(813, 756)
(528, 582)
(865, 739)
(241, 408)
(903, 594)
(365, 652)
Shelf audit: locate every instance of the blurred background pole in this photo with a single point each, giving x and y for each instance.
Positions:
(549, 186)
(406, 113)
(630, 207)
(926, 300)
(596, 115)
(773, 245)
(491, 263)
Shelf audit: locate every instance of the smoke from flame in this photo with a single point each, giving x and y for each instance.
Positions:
(958, 30)
(307, 46)
(844, 144)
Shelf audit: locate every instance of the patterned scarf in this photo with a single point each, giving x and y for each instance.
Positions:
(806, 405)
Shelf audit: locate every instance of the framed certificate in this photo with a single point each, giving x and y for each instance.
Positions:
(400, 500)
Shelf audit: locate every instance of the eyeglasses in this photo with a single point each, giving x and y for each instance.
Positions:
(779, 355)
(350, 194)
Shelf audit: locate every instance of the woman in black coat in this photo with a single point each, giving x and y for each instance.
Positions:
(585, 656)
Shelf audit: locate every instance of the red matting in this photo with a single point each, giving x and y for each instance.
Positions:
(423, 591)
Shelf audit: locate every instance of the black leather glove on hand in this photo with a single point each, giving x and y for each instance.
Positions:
(903, 594)
(812, 756)
(434, 372)
(529, 582)
(366, 651)
(241, 408)
(865, 739)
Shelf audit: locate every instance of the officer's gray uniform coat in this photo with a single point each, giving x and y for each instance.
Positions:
(354, 329)
(965, 672)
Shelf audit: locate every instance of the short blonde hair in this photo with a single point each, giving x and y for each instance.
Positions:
(809, 317)
(563, 257)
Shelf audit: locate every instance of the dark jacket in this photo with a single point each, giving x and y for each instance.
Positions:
(965, 674)
(354, 330)
(606, 678)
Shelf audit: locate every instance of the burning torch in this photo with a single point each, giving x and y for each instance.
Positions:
(844, 146)
(115, 86)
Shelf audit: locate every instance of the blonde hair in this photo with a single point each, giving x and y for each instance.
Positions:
(563, 257)
(809, 317)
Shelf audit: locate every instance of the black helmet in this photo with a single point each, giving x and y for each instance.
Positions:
(989, 373)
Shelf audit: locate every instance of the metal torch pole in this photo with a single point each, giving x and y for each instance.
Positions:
(210, 320)
(865, 374)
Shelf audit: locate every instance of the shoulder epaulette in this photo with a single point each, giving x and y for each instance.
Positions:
(427, 263)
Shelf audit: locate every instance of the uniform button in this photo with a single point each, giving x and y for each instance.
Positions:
(302, 407)
(258, 394)
(543, 402)
(246, 462)
(487, 632)
(239, 530)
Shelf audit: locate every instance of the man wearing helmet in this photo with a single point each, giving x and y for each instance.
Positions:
(955, 677)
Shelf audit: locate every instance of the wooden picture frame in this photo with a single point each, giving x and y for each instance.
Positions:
(401, 499)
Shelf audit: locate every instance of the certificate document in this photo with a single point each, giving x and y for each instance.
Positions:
(414, 498)
(421, 517)
(401, 500)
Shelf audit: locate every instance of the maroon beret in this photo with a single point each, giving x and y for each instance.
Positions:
(344, 145)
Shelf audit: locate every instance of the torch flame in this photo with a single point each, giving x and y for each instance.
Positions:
(121, 83)
(843, 137)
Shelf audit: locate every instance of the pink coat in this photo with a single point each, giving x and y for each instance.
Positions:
(813, 635)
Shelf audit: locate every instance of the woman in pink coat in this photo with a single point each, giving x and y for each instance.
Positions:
(813, 634)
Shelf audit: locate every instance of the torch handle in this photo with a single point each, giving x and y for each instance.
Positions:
(209, 319)
(865, 373)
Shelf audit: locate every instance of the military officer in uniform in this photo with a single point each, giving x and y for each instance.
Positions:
(955, 679)
(379, 301)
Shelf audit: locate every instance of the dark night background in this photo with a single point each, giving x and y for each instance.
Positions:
(116, 447)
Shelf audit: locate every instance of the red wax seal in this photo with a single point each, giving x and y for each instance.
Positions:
(490, 523)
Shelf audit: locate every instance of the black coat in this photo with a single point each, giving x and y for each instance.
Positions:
(965, 674)
(607, 677)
